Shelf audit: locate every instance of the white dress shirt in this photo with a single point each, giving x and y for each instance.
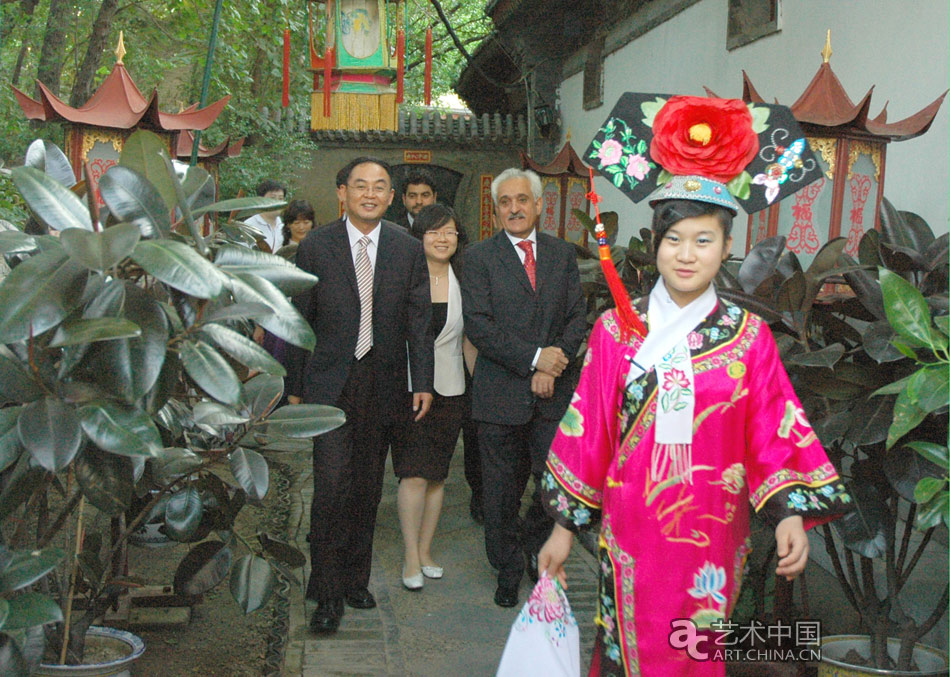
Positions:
(533, 239)
(355, 236)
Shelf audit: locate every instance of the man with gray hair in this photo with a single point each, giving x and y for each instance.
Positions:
(524, 311)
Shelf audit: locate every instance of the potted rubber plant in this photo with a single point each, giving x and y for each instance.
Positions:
(869, 362)
(129, 392)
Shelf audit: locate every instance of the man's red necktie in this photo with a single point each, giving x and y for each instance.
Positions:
(529, 263)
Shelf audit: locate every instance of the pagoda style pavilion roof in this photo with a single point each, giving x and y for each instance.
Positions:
(565, 162)
(118, 104)
(825, 103)
(185, 142)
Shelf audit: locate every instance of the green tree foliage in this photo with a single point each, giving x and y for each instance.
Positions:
(167, 41)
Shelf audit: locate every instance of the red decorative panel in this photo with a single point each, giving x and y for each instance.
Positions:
(486, 208)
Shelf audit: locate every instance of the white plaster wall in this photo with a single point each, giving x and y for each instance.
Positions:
(900, 47)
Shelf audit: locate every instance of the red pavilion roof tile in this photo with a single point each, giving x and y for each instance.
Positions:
(565, 162)
(825, 103)
(118, 104)
(185, 140)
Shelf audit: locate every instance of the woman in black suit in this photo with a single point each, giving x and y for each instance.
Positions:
(422, 451)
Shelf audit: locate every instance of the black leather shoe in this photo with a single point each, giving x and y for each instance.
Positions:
(506, 595)
(360, 598)
(326, 618)
(476, 511)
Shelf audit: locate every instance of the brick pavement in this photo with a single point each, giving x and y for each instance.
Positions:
(452, 627)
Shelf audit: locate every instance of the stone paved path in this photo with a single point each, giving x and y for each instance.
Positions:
(452, 627)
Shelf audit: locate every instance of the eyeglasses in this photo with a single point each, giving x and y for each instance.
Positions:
(363, 189)
(447, 234)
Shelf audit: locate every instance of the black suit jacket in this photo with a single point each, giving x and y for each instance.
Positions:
(508, 321)
(401, 316)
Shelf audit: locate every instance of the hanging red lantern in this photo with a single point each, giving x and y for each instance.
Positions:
(400, 63)
(428, 71)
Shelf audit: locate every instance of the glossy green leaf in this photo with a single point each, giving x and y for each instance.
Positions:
(934, 453)
(826, 357)
(9, 436)
(210, 371)
(928, 487)
(281, 550)
(105, 480)
(250, 470)
(179, 266)
(99, 251)
(262, 393)
(215, 414)
(869, 248)
(791, 295)
(863, 529)
(934, 512)
(870, 420)
(199, 187)
(50, 431)
(174, 462)
(759, 264)
(21, 481)
(238, 311)
(205, 565)
(16, 383)
(876, 340)
(929, 388)
(29, 609)
(243, 349)
(26, 567)
(907, 416)
(304, 420)
(129, 368)
(286, 322)
(4, 612)
(47, 157)
(132, 198)
(16, 242)
(243, 204)
(143, 151)
(38, 294)
(252, 582)
(183, 514)
(52, 203)
(120, 428)
(904, 469)
(906, 309)
(83, 330)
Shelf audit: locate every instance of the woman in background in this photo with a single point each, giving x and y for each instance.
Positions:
(422, 450)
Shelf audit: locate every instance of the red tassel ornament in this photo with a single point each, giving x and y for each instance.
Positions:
(630, 322)
(428, 72)
(285, 96)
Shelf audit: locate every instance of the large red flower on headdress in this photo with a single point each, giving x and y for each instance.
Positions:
(709, 137)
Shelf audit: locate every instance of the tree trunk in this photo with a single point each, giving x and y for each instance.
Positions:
(54, 46)
(26, 7)
(98, 39)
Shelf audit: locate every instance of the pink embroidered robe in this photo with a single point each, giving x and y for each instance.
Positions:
(674, 548)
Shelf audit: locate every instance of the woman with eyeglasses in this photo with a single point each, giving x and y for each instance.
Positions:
(422, 450)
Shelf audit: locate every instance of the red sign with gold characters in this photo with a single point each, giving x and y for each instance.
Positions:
(486, 211)
(417, 157)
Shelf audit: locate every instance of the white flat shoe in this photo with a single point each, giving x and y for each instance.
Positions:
(412, 582)
(432, 572)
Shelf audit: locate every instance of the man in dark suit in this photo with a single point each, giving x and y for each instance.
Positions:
(525, 313)
(371, 300)
(417, 192)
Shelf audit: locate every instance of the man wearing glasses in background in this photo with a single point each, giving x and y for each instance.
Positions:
(372, 299)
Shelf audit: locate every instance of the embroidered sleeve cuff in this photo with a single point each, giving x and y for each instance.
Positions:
(814, 504)
(566, 509)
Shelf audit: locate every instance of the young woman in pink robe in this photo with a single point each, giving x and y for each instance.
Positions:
(675, 516)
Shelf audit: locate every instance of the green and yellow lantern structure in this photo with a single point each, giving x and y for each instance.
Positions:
(356, 54)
